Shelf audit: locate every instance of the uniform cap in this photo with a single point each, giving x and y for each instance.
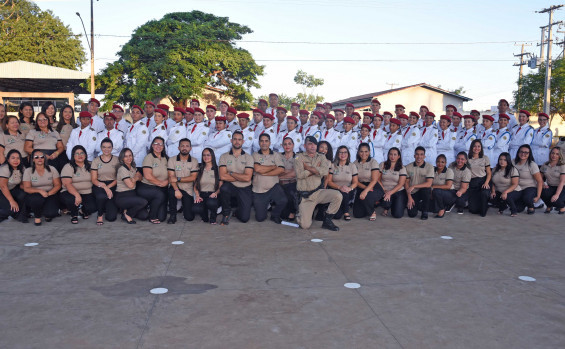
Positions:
(399, 106)
(468, 117)
(150, 103)
(209, 106)
(226, 103)
(220, 118)
(186, 110)
(475, 111)
(413, 113)
(488, 117)
(273, 94)
(256, 110)
(295, 105)
(135, 106)
(292, 118)
(348, 120)
(195, 100)
(182, 110)
(163, 106)
(282, 109)
(110, 115)
(330, 116)
(349, 105)
(525, 112)
(356, 114)
(262, 100)
(457, 114)
(304, 112)
(94, 100)
(423, 106)
(117, 106)
(504, 116)
(243, 116)
(430, 114)
(319, 105)
(160, 111)
(232, 110)
(378, 116)
(376, 101)
(268, 116)
(445, 117)
(543, 114)
(505, 101)
(328, 104)
(369, 114)
(199, 110)
(339, 111)
(403, 116)
(366, 126)
(450, 106)
(84, 114)
(395, 121)
(387, 113)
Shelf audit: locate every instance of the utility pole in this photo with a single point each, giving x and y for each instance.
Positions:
(547, 90)
(562, 44)
(521, 65)
(541, 47)
(90, 45)
(391, 84)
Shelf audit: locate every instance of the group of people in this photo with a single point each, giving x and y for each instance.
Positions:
(334, 162)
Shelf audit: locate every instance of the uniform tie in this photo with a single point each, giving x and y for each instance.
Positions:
(389, 137)
(442, 134)
(407, 129)
(497, 131)
(326, 134)
(108, 134)
(193, 128)
(131, 128)
(285, 136)
(425, 129)
(300, 131)
(80, 133)
(519, 128)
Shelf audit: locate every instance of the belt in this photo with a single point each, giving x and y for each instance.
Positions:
(287, 181)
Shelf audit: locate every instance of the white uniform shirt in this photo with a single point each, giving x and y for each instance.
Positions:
(296, 138)
(521, 134)
(429, 140)
(176, 133)
(541, 144)
(122, 125)
(502, 143)
(311, 130)
(97, 123)
(511, 123)
(392, 140)
(137, 140)
(87, 138)
(157, 131)
(333, 137)
(488, 139)
(464, 140)
(445, 144)
(220, 142)
(410, 140)
(282, 127)
(248, 137)
(378, 139)
(271, 132)
(233, 125)
(351, 141)
(116, 136)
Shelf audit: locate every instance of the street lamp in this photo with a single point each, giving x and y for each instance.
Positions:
(90, 45)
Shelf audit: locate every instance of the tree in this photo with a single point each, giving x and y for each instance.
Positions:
(29, 34)
(177, 57)
(529, 95)
(459, 91)
(307, 99)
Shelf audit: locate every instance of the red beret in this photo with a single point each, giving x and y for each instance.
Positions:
(116, 106)
(395, 121)
(226, 103)
(430, 114)
(328, 104)
(273, 94)
(379, 116)
(339, 111)
(349, 105)
(264, 101)
(475, 111)
(137, 107)
(488, 117)
(304, 111)
(504, 116)
(182, 110)
(282, 109)
(399, 106)
(195, 100)
(413, 113)
(317, 114)
(356, 114)
(403, 116)
(376, 101)
(163, 106)
(543, 114)
(256, 110)
(445, 117)
(220, 118)
(295, 105)
(423, 106)
(94, 100)
(199, 110)
(504, 100)
(84, 114)
(243, 116)
(525, 112)
(450, 106)
(110, 115)
(329, 116)
(232, 110)
(187, 110)
(349, 120)
(209, 106)
(160, 111)
(292, 118)
(268, 116)
(468, 117)
(368, 127)
(387, 113)
(367, 113)
(150, 103)
(457, 114)
(319, 105)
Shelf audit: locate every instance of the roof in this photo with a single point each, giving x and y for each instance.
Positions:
(380, 93)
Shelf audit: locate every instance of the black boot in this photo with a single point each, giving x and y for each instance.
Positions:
(328, 223)
(320, 215)
(172, 219)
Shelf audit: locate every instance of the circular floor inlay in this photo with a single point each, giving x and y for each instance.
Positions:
(352, 285)
(316, 240)
(30, 244)
(159, 290)
(446, 237)
(177, 242)
(526, 278)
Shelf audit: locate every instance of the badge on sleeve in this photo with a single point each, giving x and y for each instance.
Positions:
(547, 135)
(413, 134)
(397, 141)
(453, 138)
(204, 133)
(94, 138)
(143, 131)
(504, 137)
(229, 135)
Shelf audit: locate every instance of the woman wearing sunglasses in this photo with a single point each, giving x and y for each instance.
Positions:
(77, 185)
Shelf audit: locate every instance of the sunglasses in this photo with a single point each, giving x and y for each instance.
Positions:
(159, 144)
(39, 157)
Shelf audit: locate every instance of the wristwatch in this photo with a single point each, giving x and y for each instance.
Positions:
(178, 179)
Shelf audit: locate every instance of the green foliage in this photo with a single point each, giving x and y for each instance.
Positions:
(177, 56)
(459, 91)
(307, 99)
(529, 95)
(29, 34)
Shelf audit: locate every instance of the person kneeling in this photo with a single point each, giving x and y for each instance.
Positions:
(420, 175)
(183, 170)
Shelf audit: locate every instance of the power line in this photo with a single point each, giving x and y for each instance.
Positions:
(353, 60)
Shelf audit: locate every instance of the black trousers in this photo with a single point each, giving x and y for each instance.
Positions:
(40, 206)
(526, 198)
(105, 207)
(396, 204)
(345, 200)
(207, 204)
(510, 201)
(291, 196)
(244, 197)
(132, 204)
(19, 196)
(88, 203)
(546, 195)
(478, 197)
(442, 199)
(157, 199)
(261, 202)
(364, 208)
(421, 202)
(62, 160)
(187, 201)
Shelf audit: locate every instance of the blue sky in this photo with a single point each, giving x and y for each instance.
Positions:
(488, 78)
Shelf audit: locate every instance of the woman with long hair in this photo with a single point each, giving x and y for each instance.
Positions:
(41, 182)
(2, 117)
(12, 138)
(127, 200)
(77, 185)
(65, 126)
(153, 186)
(26, 114)
(343, 178)
(369, 191)
(11, 195)
(479, 187)
(554, 173)
(48, 108)
(531, 181)
(461, 180)
(324, 147)
(44, 138)
(505, 189)
(393, 177)
(442, 196)
(287, 179)
(207, 187)
(103, 175)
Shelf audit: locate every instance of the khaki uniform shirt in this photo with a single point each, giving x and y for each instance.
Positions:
(237, 164)
(478, 166)
(460, 176)
(124, 173)
(106, 170)
(81, 179)
(158, 167)
(365, 170)
(419, 174)
(208, 181)
(14, 179)
(44, 182)
(13, 142)
(527, 173)
(343, 175)
(502, 183)
(305, 182)
(443, 177)
(390, 178)
(553, 174)
(183, 168)
(41, 140)
(25, 128)
(66, 133)
(262, 183)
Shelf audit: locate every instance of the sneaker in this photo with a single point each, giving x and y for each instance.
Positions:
(459, 211)
(277, 220)
(451, 208)
(225, 220)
